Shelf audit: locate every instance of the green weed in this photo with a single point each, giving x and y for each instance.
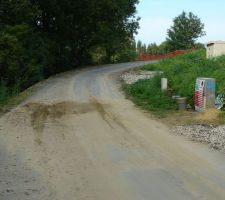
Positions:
(148, 95)
(182, 72)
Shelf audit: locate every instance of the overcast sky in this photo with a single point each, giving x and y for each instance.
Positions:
(157, 15)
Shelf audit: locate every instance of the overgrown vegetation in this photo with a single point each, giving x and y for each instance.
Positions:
(39, 38)
(181, 72)
(148, 95)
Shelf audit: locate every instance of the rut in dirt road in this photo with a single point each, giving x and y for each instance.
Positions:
(78, 138)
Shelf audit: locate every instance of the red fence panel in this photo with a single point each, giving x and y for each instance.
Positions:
(147, 57)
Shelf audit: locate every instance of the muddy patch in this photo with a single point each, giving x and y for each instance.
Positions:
(117, 120)
(40, 113)
(101, 110)
(108, 117)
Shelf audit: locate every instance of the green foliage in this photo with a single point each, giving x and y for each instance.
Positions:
(39, 38)
(3, 94)
(141, 47)
(187, 28)
(15, 12)
(127, 53)
(116, 24)
(20, 59)
(163, 48)
(199, 46)
(148, 95)
(153, 49)
(98, 55)
(182, 72)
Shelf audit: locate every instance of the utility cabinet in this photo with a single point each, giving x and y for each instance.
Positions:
(205, 89)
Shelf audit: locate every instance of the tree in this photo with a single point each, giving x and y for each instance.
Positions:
(128, 52)
(39, 38)
(153, 49)
(144, 48)
(114, 30)
(22, 52)
(139, 47)
(84, 25)
(187, 28)
(199, 45)
(15, 12)
(163, 48)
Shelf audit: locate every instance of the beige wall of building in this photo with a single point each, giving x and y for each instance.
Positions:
(215, 48)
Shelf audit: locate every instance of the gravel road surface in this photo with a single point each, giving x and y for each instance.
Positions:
(78, 138)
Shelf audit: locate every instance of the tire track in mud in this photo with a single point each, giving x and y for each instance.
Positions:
(108, 117)
(40, 113)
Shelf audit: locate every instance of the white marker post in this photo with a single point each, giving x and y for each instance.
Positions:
(164, 84)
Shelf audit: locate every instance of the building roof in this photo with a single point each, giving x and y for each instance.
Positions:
(215, 42)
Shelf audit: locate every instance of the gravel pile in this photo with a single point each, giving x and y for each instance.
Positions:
(134, 76)
(210, 134)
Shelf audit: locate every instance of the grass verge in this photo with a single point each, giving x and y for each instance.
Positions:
(181, 72)
(148, 95)
(10, 101)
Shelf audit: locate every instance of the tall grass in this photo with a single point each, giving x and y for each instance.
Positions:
(182, 72)
(148, 95)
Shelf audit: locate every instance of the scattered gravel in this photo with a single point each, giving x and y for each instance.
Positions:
(210, 134)
(133, 76)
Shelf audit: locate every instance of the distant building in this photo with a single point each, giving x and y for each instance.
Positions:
(215, 49)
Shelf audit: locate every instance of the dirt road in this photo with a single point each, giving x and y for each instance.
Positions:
(78, 138)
